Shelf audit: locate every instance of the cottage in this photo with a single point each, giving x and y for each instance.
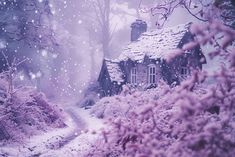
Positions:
(143, 62)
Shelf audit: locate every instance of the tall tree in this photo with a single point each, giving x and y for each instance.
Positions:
(99, 16)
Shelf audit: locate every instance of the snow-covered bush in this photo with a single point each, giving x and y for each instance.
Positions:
(91, 95)
(129, 99)
(25, 112)
(184, 121)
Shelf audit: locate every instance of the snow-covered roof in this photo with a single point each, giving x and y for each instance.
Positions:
(155, 44)
(114, 71)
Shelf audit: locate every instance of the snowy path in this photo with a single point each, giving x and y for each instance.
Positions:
(79, 124)
(67, 142)
(81, 143)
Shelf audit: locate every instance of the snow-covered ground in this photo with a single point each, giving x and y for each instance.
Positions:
(71, 141)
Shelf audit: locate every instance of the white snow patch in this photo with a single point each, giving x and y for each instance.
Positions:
(155, 44)
(47, 144)
(114, 71)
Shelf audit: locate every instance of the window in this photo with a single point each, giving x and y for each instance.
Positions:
(133, 75)
(152, 74)
(185, 71)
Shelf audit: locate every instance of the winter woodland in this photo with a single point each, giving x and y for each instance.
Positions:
(117, 78)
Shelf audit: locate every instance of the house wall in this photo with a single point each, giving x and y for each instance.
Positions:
(108, 87)
(168, 72)
(143, 73)
(126, 68)
(190, 60)
(105, 83)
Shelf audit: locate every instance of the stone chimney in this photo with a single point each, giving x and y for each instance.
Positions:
(137, 28)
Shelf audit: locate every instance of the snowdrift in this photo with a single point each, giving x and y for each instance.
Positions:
(26, 112)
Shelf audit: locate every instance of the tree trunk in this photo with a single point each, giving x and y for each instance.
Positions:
(106, 29)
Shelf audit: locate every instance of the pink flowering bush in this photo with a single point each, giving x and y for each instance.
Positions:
(191, 120)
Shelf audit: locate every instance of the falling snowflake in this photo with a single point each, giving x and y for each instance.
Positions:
(2, 44)
(21, 77)
(44, 53)
(79, 21)
(54, 55)
(32, 75)
(38, 74)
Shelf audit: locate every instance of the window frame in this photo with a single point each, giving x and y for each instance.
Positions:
(133, 76)
(185, 71)
(152, 74)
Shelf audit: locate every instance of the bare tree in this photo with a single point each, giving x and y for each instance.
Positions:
(9, 73)
(99, 16)
(102, 12)
(104, 21)
(202, 10)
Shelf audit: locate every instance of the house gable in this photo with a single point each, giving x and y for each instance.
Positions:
(196, 52)
(110, 78)
(104, 80)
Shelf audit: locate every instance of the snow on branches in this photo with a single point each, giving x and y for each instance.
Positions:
(25, 112)
(202, 10)
(192, 119)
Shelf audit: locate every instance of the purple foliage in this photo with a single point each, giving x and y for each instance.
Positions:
(26, 112)
(190, 120)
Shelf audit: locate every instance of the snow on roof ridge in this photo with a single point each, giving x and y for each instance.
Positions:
(155, 44)
(111, 60)
(159, 31)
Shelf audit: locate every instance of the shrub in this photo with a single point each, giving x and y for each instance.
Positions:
(25, 112)
(184, 121)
